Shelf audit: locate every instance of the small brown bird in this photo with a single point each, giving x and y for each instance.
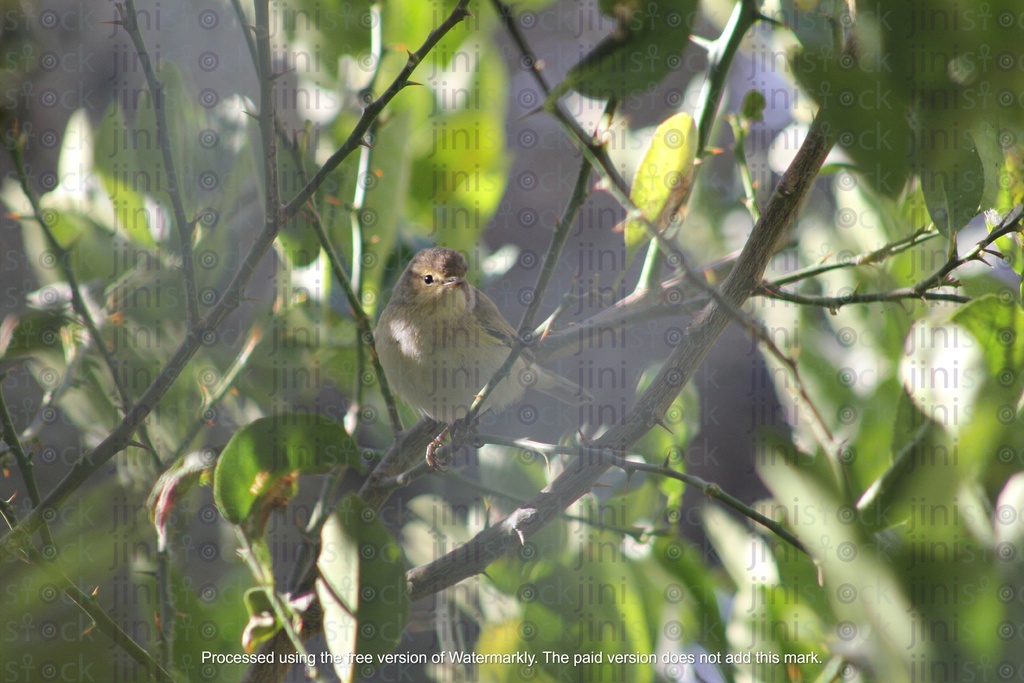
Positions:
(440, 340)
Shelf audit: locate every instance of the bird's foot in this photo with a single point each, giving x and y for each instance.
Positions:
(433, 461)
(460, 431)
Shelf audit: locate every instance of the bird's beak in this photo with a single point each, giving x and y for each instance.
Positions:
(458, 288)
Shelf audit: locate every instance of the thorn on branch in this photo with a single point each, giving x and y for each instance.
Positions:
(530, 113)
(661, 423)
(773, 21)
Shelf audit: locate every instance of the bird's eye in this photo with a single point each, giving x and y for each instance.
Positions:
(428, 279)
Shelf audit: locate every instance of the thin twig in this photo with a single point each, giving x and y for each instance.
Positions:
(102, 621)
(185, 227)
(740, 129)
(217, 394)
(24, 463)
(267, 116)
(922, 290)
(243, 21)
(720, 55)
(356, 223)
(623, 461)
(834, 303)
(757, 330)
(355, 304)
(526, 334)
(877, 256)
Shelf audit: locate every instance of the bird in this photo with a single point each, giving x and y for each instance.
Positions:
(440, 340)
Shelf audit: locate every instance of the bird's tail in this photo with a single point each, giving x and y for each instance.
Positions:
(559, 387)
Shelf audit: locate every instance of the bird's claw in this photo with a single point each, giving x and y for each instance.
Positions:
(458, 430)
(433, 462)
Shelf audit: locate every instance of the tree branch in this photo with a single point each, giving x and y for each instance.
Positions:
(473, 557)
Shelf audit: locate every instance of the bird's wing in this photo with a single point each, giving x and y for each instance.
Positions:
(548, 382)
(494, 323)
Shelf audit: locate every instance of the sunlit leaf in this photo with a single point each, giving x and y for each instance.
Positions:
(362, 585)
(261, 461)
(663, 179)
(32, 332)
(952, 179)
(642, 49)
(115, 161)
(998, 326)
(263, 623)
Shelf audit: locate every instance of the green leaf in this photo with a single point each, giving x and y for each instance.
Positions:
(32, 332)
(1011, 178)
(173, 484)
(752, 108)
(297, 240)
(1011, 498)
(505, 638)
(832, 671)
(263, 623)
(362, 585)
(663, 179)
(1009, 245)
(858, 98)
(572, 611)
(683, 561)
(116, 164)
(884, 502)
(998, 327)
(460, 163)
(642, 49)
(952, 179)
(996, 166)
(260, 463)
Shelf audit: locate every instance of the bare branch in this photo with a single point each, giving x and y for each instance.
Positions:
(682, 363)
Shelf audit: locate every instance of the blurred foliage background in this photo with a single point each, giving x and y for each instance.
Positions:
(901, 475)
